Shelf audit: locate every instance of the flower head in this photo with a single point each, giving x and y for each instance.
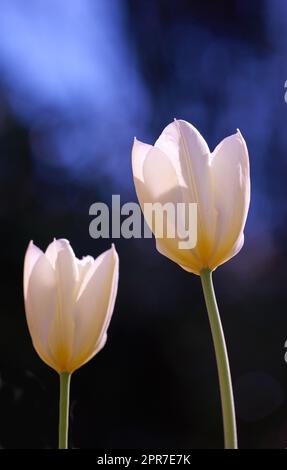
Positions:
(180, 168)
(69, 303)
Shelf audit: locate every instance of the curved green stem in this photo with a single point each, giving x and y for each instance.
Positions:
(225, 384)
(65, 380)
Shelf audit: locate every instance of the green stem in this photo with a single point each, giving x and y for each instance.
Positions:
(65, 380)
(225, 384)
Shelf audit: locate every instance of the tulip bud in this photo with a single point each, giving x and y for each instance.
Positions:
(69, 303)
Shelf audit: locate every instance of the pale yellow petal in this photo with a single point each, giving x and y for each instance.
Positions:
(156, 181)
(185, 258)
(61, 334)
(231, 183)
(32, 255)
(94, 307)
(40, 306)
(161, 185)
(190, 156)
(139, 153)
(84, 265)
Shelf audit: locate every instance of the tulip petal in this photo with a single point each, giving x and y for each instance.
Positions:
(190, 156)
(31, 257)
(231, 183)
(187, 259)
(160, 190)
(157, 182)
(55, 247)
(139, 153)
(84, 265)
(93, 351)
(155, 178)
(94, 307)
(40, 306)
(148, 164)
(63, 260)
(61, 334)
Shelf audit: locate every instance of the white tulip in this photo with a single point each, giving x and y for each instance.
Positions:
(69, 303)
(180, 168)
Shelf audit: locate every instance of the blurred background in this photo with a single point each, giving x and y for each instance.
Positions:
(78, 80)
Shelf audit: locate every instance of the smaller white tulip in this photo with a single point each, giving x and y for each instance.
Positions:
(69, 303)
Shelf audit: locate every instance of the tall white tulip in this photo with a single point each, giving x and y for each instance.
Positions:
(180, 168)
(69, 304)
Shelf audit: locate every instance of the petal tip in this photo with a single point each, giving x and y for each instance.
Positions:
(114, 251)
(63, 240)
(238, 133)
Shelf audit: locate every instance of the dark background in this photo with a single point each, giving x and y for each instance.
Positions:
(78, 80)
